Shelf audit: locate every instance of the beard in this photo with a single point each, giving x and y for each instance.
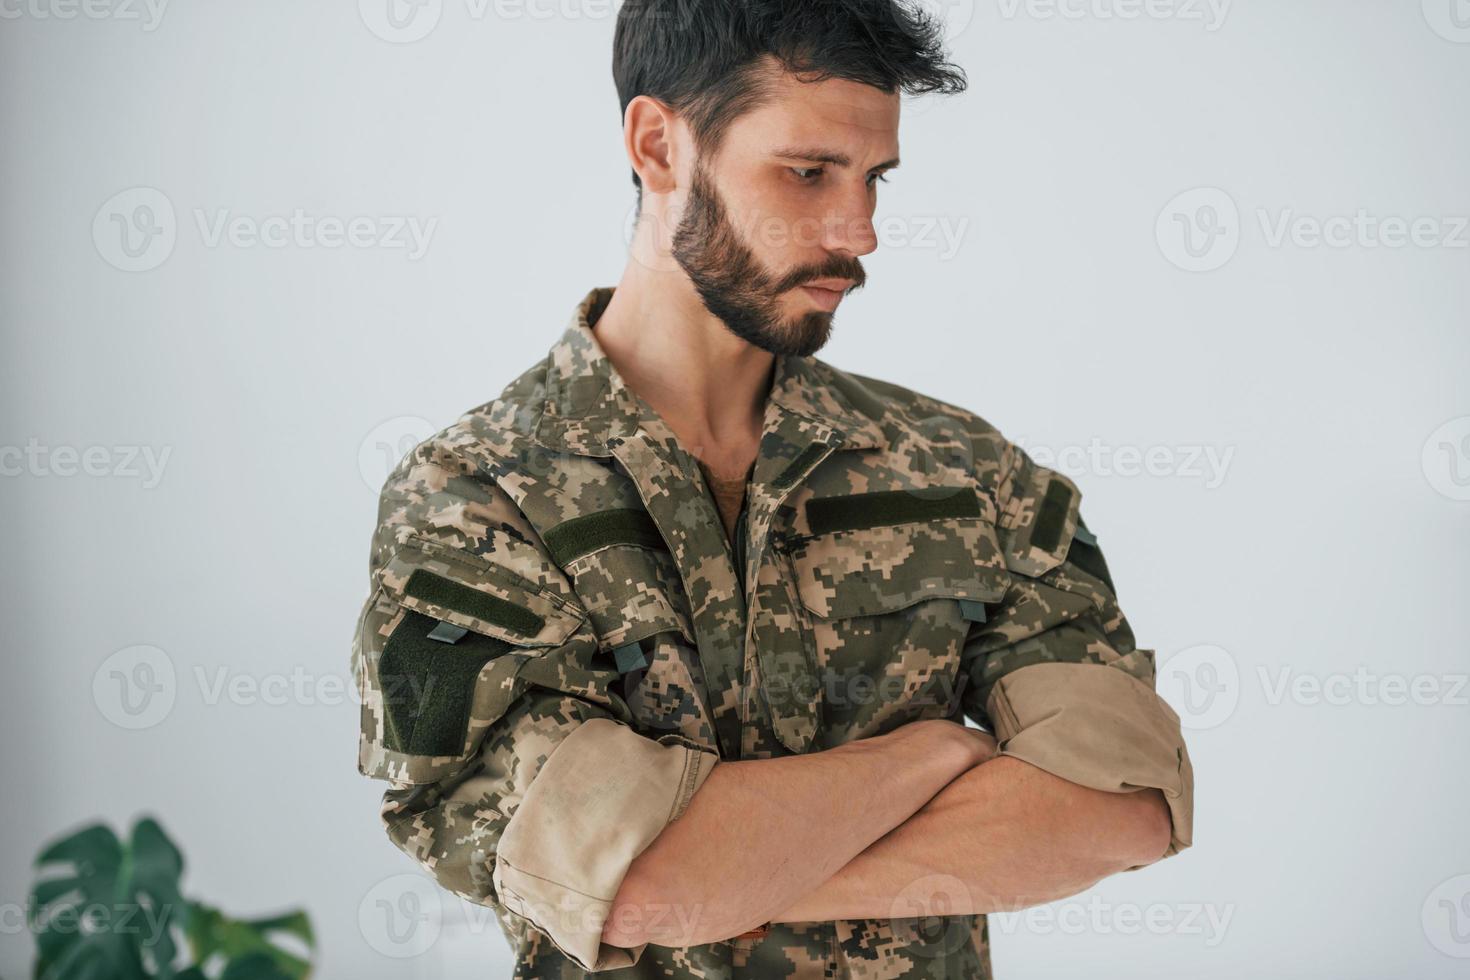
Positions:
(737, 289)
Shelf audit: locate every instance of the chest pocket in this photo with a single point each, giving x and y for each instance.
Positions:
(631, 593)
(885, 612)
(627, 580)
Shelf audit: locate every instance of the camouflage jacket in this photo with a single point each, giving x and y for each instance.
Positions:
(561, 642)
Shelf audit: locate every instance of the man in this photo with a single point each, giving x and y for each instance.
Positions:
(671, 645)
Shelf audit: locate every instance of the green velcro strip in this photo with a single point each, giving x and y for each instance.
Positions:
(429, 687)
(972, 610)
(793, 469)
(580, 536)
(885, 507)
(424, 584)
(1051, 516)
(630, 656)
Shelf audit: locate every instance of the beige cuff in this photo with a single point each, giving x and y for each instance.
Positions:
(1097, 726)
(601, 798)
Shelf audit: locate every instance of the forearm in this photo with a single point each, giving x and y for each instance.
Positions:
(1003, 836)
(778, 828)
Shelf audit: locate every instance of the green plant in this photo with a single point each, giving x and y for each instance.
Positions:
(103, 909)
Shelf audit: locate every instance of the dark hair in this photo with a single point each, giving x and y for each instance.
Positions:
(703, 57)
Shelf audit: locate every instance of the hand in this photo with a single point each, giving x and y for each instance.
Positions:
(983, 743)
(974, 746)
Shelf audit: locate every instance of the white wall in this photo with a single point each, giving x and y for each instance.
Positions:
(1328, 544)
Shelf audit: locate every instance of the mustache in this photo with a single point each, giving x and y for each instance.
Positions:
(837, 268)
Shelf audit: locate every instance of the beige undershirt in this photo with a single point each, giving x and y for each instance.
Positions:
(729, 493)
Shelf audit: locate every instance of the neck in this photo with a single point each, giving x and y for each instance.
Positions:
(709, 385)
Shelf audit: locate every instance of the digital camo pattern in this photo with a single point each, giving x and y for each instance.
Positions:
(823, 637)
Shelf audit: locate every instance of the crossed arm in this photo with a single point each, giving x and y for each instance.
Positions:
(924, 820)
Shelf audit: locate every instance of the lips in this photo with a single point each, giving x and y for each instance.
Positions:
(826, 299)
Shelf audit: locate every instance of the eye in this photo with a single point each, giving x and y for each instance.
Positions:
(807, 175)
(876, 179)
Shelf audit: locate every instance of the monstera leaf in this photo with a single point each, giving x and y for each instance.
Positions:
(107, 910)
(250, 946)
(257, 966)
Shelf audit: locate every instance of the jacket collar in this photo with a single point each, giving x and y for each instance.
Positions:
(587, 401)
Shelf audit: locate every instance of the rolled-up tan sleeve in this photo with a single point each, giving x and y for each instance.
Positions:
(1097, 726)
(601, 798)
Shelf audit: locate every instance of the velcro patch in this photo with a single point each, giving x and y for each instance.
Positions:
(429, 686)
(424, 584)
(886, 507)
(1051, 516)
(580, 536)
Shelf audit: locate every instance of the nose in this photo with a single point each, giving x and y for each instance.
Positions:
(848, 224)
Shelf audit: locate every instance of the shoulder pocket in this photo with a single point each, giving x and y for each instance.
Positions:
(470, 592)
(1040, 519)
(440, 646)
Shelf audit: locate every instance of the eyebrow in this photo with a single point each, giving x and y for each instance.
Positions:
(817, 155)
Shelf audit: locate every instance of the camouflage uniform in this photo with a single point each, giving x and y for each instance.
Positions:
(550, 573)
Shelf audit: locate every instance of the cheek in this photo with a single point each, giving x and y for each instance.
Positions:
(778, 222)
(794, 225)
(779, 219)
